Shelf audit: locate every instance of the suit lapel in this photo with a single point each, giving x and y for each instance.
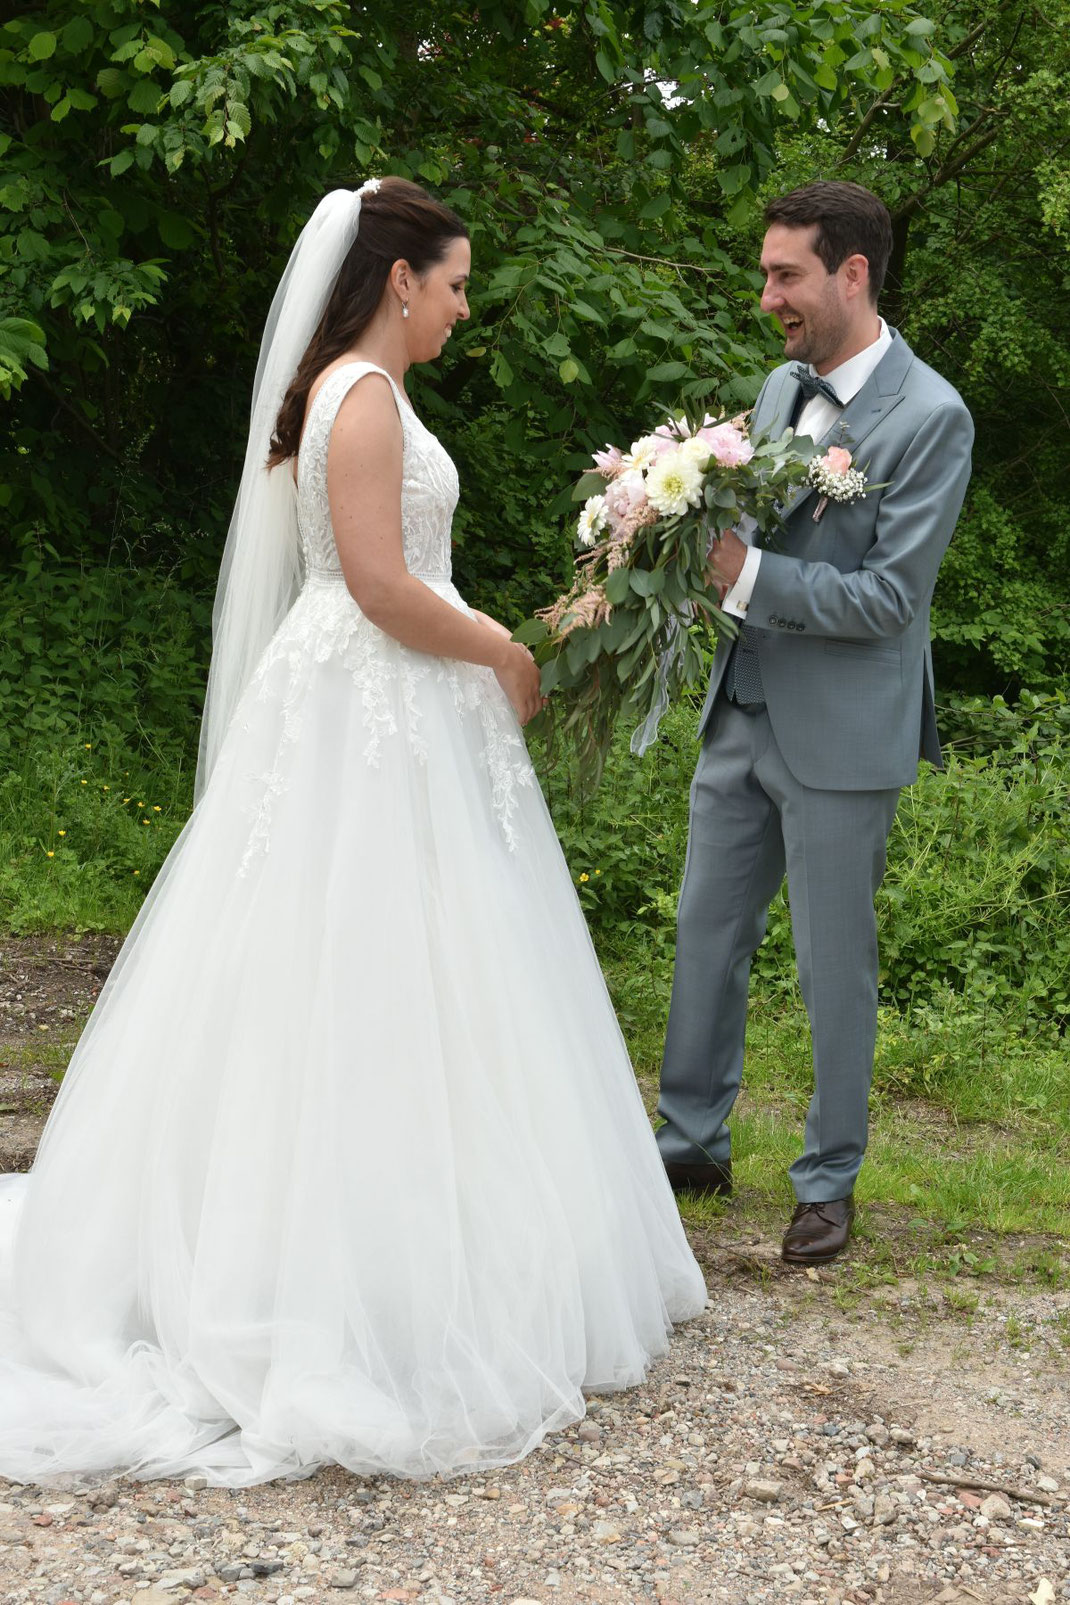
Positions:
(882, 392)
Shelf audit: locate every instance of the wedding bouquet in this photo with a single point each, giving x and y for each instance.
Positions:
(635, 628)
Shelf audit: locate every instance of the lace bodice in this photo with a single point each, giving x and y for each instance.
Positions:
(429, 487)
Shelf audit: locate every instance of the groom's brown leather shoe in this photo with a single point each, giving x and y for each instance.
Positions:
(708, 1180)
(818, 1232)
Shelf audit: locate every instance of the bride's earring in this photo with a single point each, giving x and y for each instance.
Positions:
(404, 309)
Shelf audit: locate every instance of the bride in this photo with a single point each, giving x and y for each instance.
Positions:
(349, 1164)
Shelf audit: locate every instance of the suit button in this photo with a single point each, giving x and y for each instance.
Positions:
(773, 619)
(802, 626)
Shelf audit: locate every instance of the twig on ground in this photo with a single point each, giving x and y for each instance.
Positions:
(1025, 1496)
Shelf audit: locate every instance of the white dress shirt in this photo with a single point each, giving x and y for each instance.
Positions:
(816, 419)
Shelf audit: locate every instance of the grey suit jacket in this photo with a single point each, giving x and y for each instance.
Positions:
(842, 606)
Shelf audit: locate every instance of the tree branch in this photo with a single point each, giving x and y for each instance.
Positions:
(83, 423)
(945, 175)
(866, 123)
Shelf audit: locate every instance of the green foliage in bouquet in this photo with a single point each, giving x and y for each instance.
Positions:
(634, 630)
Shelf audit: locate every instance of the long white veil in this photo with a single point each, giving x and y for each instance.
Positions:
(260, 572)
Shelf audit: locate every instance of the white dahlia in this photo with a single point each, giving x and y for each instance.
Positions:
(674, 483)
(592, 520)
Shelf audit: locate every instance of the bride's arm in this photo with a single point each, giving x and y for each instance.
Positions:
(364, 492)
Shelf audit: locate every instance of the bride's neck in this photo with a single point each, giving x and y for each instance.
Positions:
(383, 342)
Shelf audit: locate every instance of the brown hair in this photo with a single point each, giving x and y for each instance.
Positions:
(398, 222)
(851, 221)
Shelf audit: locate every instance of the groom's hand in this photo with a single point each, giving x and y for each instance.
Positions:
(726, 561)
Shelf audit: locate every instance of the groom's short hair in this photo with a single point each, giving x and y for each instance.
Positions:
(850, 220)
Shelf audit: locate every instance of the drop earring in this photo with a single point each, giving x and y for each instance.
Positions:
(404, 309)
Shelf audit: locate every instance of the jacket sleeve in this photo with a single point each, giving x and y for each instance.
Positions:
(916, 516)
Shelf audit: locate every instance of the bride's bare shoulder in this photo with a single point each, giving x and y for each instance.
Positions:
(374, 393)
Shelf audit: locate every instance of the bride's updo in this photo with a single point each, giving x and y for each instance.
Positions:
(398, 222)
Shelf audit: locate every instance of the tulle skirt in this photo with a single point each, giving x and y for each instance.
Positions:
(349, 1165)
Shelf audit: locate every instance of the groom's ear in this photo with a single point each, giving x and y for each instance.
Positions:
(854, 271)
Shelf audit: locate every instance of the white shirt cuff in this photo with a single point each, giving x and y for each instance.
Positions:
(738, 599)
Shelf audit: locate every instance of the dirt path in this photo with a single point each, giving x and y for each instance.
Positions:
(815, 1438)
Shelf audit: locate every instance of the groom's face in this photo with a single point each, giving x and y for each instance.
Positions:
(812, 306)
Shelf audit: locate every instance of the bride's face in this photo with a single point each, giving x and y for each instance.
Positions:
(437, 301)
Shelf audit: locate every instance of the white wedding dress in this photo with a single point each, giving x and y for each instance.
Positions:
(349, 1165)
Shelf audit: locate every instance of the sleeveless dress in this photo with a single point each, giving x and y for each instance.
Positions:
(349, 1164)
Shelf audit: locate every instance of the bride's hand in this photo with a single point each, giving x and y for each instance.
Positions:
(518, 675)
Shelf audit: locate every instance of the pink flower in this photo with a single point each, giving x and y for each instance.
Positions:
(837, 460)
(608, 462)
(728, 445)
(626, 494)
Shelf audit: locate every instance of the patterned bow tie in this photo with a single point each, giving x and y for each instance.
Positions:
(813, 385)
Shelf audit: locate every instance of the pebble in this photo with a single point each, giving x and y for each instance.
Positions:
(793, 1486)
(767, 1493)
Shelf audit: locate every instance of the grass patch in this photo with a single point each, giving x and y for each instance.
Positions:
(964, 1150)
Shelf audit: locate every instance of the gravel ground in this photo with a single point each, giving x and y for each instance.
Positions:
(782, 1452)
(807, 1440)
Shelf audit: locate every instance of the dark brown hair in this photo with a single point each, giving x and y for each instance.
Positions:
(398, 222)
(851, 221)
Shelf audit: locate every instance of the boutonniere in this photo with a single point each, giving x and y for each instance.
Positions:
(837, 481)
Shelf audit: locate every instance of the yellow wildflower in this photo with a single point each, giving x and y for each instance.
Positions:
(61, 833)
(598, 872)
(137, 872)
(584, 877)
(89, 746)
(50, 855)
(85, 782)
(156, 808)
(107, 788)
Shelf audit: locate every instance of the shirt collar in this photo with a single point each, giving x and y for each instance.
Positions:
(848, 379)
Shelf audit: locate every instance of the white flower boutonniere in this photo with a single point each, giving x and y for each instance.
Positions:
(837, 481)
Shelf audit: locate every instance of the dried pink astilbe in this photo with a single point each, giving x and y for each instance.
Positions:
(586, 612)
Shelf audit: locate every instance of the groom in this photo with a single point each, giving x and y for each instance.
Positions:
(818, 712)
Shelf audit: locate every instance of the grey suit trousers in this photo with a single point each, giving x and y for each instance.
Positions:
(750, 820)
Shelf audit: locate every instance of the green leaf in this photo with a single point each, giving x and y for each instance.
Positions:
(120, 163)
(111, 82)
(924, 140)
(656, 207)
(617, 586)
(569, 371)
(920, 27)
(180, 92)
(77, 36)
(41, 46)
(531, 633)
(605, 66)
(144, 97)
(641, 581)
(500, 371)
(668, 370)
(592, 483)
(175, 231)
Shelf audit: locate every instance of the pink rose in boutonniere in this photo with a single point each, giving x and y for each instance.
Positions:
(837, 481)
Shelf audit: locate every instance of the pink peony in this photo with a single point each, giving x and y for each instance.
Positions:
(837, 460)
(728, 445)
(608, 462)
(626, 494)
